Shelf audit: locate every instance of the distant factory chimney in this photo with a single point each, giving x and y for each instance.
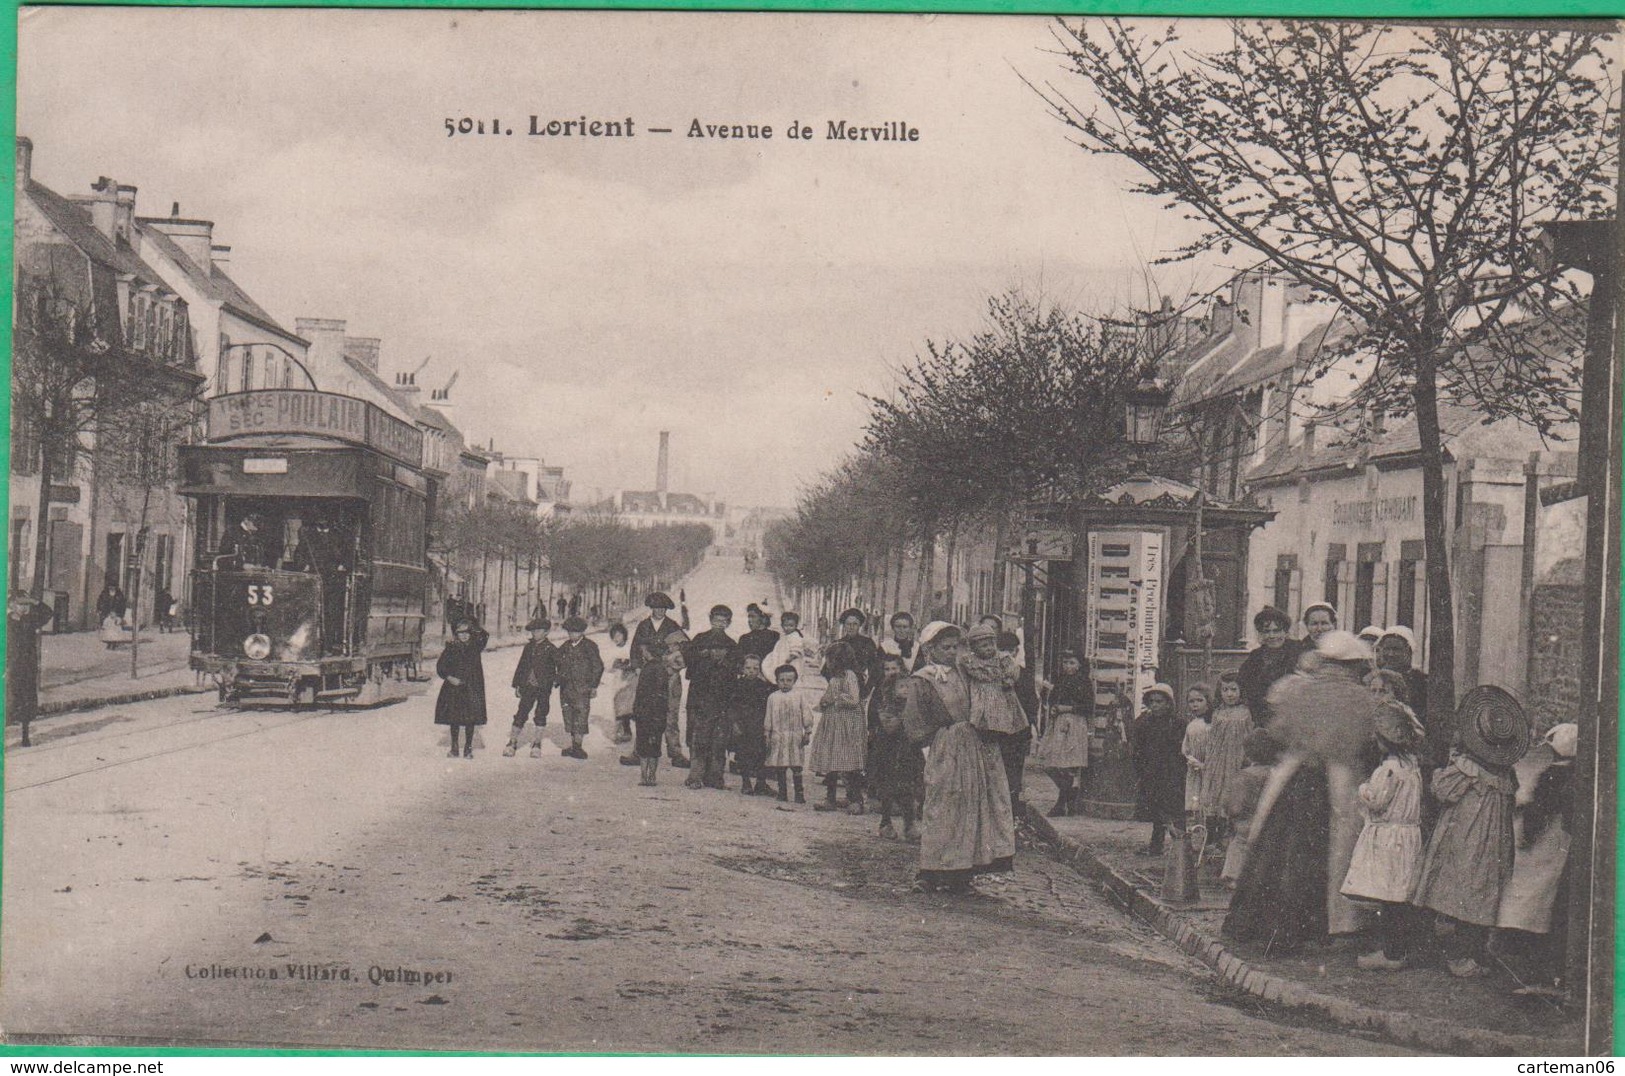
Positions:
(663, 467)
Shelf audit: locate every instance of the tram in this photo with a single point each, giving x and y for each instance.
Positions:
(310, 529)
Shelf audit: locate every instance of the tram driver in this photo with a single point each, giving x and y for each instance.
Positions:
(246, 542)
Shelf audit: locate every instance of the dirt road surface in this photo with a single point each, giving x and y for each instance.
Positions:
(175, 872)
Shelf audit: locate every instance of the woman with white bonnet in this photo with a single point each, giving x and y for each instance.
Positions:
(967, 828)
(1308, 818)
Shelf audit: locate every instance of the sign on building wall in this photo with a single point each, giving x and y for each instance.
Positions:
(323, 414)
(1123, 622)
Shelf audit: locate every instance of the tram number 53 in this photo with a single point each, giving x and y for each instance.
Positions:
(260, 595)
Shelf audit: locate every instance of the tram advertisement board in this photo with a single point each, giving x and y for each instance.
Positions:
(323, 414)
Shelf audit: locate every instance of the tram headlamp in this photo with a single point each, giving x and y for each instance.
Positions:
(257, 646)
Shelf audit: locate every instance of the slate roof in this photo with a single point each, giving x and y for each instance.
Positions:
(215, 283)
(74, 221)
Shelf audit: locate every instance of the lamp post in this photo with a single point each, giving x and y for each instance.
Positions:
(1143, 408)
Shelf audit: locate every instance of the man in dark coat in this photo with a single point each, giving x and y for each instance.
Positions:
(713, 660)
(533, 680)
(462, 695)
(580, 671)
(1276, 656)
(648, 645)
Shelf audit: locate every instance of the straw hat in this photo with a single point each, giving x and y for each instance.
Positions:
(1494, 728)
(1343, 646)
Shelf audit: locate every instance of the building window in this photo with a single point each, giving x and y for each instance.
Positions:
(1286, 569)
(19, 545)
(1410, 561)
(1336, 554)
(1366, 570)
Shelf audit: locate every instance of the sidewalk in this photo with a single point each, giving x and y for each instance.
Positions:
(1424, 1007)
(79, 672)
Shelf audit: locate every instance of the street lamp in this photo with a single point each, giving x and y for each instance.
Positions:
(1144, 406)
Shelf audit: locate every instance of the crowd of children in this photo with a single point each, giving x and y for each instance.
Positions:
(1448, 850)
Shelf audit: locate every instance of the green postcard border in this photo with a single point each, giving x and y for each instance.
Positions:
(1368, 9)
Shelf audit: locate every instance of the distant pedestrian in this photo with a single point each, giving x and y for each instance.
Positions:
(462, 692)
(112, 602)
(903, 642)
(562, 607)
(747, 719)
(837, 744)
(1318, 619)
(894, 765)
(1388, 855)
(659, 694)
(995, 708)
(1198, 727)
(1469, 858)
(789, 727)
(1308, 820)
(1063, 750)
(968, 827)
(533, 680)
(1241, 797)
(760, 639)
(793, 648)
(625, 681)
(581, 670)
(163, 607)
(1159, 766)
(649, 641)
(1276, 656)
(712, 658)
(865, 655)
(1226, 753)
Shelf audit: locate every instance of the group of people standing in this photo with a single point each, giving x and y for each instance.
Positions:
(1352, 810)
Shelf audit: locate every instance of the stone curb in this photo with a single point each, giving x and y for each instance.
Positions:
(1424, 1032)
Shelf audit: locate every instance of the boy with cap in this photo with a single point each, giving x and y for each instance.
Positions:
(712, 659)
(649, 641)
(581, 669)
(533, 680)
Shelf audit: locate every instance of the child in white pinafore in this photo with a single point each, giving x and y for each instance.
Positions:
(788, 729)
(1388, 856)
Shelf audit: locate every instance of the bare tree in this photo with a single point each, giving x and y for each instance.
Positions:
(71, 376)
(1402, 173)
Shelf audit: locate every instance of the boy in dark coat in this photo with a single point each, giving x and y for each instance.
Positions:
(1159, 763)
(896, 766)
(747, 717)
(533, 680)
(581, 669)
(712, 660)
(462, 695)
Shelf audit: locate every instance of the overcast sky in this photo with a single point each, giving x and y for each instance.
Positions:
(594, 291)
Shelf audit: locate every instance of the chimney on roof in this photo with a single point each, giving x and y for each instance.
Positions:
(363, 349)
(663, 467)
(102, 201)
(194, 237)
(325, 359)
(219, 254)
(25, 161)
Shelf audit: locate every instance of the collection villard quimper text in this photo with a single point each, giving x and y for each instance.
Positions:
(582, 127)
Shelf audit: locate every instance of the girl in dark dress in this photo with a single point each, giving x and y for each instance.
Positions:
(462, 694)
(1159, 763)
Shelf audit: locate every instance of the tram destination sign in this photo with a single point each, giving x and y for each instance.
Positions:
(321, 414)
